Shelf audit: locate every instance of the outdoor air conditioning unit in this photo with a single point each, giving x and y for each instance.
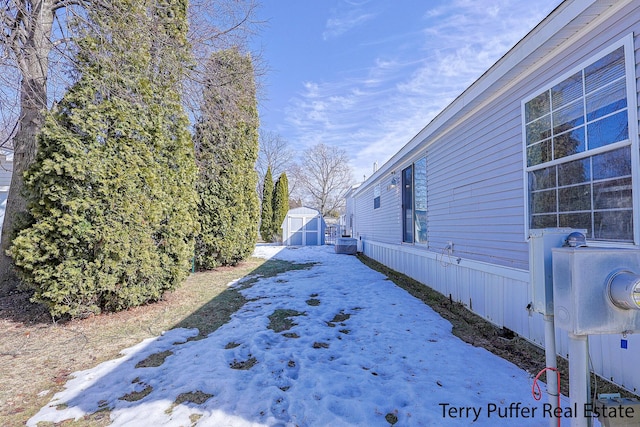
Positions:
(596, 290)
(346, 245)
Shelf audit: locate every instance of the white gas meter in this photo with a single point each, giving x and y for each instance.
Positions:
(596, 290)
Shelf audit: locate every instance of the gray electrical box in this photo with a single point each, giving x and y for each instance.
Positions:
(540, 269)
(587, 283)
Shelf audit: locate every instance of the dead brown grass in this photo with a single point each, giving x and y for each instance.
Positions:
(37, 356)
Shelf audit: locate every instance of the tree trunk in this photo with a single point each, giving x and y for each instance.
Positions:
(34, 64)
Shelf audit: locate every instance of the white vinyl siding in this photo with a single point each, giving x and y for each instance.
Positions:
(477, 190)
(384, 223)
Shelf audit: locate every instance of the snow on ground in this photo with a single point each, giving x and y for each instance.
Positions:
(393, 360)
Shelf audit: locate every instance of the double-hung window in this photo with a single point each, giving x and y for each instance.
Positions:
(581, 149)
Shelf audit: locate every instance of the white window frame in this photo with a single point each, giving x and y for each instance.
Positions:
(627, 43)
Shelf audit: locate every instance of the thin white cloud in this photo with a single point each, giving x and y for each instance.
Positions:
(339, 25)
(374, 111)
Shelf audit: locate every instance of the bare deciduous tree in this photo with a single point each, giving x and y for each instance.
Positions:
(324, 175)
(274, 153)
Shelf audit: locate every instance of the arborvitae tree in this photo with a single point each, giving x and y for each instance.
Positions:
(112, 191)
(226, 141)
(280, 204)
(266, 229)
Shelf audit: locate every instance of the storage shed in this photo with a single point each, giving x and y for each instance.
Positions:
(303, 227)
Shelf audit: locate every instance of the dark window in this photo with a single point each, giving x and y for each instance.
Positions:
(407, 205)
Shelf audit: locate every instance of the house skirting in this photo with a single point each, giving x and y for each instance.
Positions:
(501, 295)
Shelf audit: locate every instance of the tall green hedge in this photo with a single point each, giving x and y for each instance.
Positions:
(266, 213)
(280, 204)
(226, 141)
(112, 191)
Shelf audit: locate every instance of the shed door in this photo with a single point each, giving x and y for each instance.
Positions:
(296, 232)
(304, 231)
(311, 229)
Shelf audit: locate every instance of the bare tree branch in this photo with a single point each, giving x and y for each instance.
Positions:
(324, 175)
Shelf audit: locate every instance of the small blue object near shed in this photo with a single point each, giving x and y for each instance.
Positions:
(303, 227)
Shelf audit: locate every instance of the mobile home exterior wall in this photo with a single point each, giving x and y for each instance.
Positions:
(478, 171)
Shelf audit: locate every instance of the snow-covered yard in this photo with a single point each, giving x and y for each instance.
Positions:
(362, 352)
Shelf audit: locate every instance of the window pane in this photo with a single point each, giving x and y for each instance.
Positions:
(543, 202)
(568, 117)
(613, 164)
(576, 198)
(613, 194)
(587, 111)
(567, 91)
(544, 221)
(539, 153)
(577, 220)
(543, 178)
(574, 172)
(569, 143)
(614, 225)
(604, 71)
(607, 131)
(539, 130)
(420, 199)
(537, 107)
(607, 100)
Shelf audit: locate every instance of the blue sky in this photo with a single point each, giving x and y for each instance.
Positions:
(368, 75)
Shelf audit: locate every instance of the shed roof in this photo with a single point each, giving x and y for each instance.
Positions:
(303, 211)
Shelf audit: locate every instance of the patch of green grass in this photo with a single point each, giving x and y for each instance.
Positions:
(231, 345)
(338, 318)
(391, 418)
(314, 302)
(134, 396)
(281, 320)
(196, 397)
(243, 365)
(154, 360)
(290, 335)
